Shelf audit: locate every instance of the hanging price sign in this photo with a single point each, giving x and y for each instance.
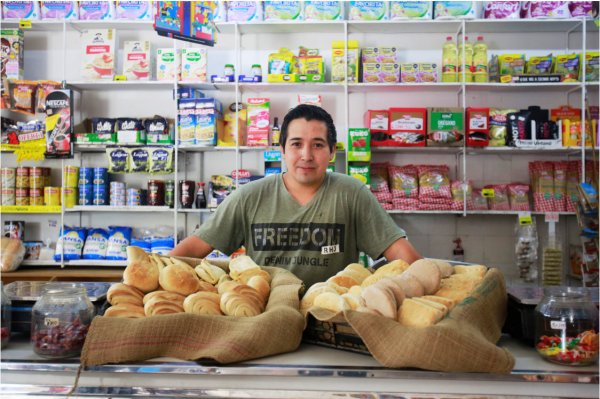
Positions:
(551, 217)
(25, 24)
(488, 192)
(525, 218)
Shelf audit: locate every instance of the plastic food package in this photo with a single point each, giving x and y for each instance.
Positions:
(96, 243)
(526, 249)
(480, 203)
(404, 181)
(460, 190)
(518, 195)
(12, 254)
(434, 182)
(502, 10)
(118, 240)
(70, 243)
(499, 202)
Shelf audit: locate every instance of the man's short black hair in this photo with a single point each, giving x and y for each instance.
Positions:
(310, 113)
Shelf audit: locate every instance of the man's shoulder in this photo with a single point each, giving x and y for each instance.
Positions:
(339, 180)
(265, 183)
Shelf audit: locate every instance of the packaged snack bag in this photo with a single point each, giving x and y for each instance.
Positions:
(592, 68)
(59, 10)
(480, 202)
(580, 9)
(404, 181)
(460, 190)
(518, 195)
(499, 202)
(96, 10)
(15, 10)
(499, 126)
(568, 66)
(434, 182)
(540, 65)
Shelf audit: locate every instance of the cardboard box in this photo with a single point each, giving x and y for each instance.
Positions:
(193, 64)
(445, 127)
(59, 124)
(359, 145)
(478, 128)
(98, 54)
(166, 64)
(136, 62)
(258, 122)
(340, 59)
(408, 128)
(12, 54)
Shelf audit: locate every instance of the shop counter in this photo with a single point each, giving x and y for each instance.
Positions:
(310, 372)
(78, 273)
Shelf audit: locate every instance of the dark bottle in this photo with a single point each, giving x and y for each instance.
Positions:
(186, 193)
(200, 198)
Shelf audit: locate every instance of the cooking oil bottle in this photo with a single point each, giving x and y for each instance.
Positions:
(480, 61)
(465, 64)
(449, 61)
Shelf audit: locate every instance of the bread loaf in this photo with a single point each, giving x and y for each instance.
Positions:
(434, 304)
(413, 313)
(381, 299)
(125, 310)
(331, 301)
(357, 271)
(397, 266)
(410, 285)
(140, 272)
(240, 264)
(156, 306)
(394, 288)
(180, 279)
(427, 273)
(209, 272)
(12, 254)
(164, 296)
(203, 303)
(343, 281)
(120, 293)
(261, 286)
(235, 304)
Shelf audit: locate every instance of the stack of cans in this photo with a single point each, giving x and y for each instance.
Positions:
(22, 186)
(37, 183)
(117, 193)
(134, 197)
(100, 186)
(7, 179)
(70, 180)
(86, 179)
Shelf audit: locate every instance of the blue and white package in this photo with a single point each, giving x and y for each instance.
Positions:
(16, 10)
(96, 10)
(95, 244)
(323, 10)
(118, 240)
(242, 11)
(143, 244)
(162, 246)
(70, 241)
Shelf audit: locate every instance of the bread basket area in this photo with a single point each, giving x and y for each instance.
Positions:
(161, 328)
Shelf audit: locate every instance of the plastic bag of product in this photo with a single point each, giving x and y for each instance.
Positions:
(118, 240)
(526, 251)
(499, 126)
(572, 183)
(560, 186)
(12, 254)
(434, 182)
(404, 181)
(460, 190)
(96, 243)
(70, 243)
(480, 203)
(499, 202)
(380, 177)
(542, 183)
(518, 196)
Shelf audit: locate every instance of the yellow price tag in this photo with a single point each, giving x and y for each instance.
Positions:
(525, 218)
(120, 78)
(505, 79)
(488, 192)
(25, 24)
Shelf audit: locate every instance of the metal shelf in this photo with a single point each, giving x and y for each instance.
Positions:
(33, 209)
(45, 26)
(481, 213)
(275, 27)
(107, 208)
(111, 85)
(379, 87)
(80, 262)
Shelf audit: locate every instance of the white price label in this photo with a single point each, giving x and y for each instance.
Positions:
(551, 217)
(558, 325)
(51, 322)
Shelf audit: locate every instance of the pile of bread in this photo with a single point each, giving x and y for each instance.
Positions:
(154, 285)
(416, 295)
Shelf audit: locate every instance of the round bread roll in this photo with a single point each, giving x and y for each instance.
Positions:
(342, 281)
(381, 299)
(122, 293)
(126, 310)
(411, 286)
(397, 266)
(165, 296)
(359, 270)
(227, 286)
(244, 276)
(260, 285)
(140, 272)
(309, 297)
(356, 290)
(331, 301)
(156, 306)
(394, 288)
(180, 279)
(372, 279)
(427, 273)
(203, 303)
(353, 301)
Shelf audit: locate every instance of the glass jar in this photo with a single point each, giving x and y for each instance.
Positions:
(256, 70)
(60, 320)
(5, 322)
(566, 326)
(229, 70)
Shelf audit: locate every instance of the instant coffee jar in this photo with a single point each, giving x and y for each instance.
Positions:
(566, 326)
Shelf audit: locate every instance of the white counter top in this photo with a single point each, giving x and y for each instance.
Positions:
(311, 371)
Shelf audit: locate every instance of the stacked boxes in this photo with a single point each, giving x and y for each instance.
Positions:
(200, 121)
(380, 65)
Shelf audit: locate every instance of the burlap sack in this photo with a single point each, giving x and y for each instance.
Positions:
(464, 341)
(226, 339)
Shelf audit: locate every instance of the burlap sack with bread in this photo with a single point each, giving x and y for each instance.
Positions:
(195, 308)
(430, 315)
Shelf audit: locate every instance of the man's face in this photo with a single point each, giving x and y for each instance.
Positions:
(306, 152)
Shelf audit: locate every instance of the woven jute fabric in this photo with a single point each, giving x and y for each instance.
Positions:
(464, 341)
(226, 339)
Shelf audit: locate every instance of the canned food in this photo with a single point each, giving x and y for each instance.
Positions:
(51, 196)
(36, 178)
(46, 172)
(22, 192)
(170, 193)
(36, 192)
(69, 197)
(100, 176)
(156, 192)
(7, 177)
(8, 196)
(22, 177)
(36, 201)
(71, 176)
(14, 229)
(86, 176)
(22, 201)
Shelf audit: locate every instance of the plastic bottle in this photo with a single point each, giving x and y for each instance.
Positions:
(467, 64)
(200, 198)
(480, 61)
(449, 61)
(275, 132)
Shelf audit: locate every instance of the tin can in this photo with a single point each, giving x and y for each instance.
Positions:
(46, 172)
(69, 197)
(170, 193)
(134, 197)
(86, 176)
(71, 176)
(86, 196)
(51, 196)
(100, 176)
(22, 177)
(36, 201)
(36, 178)
(22, 201)
(156, 192)
(36, 192)
(14, 229)
(7, 177)
(8, 196)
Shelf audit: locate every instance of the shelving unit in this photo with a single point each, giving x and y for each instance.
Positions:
(246, 43)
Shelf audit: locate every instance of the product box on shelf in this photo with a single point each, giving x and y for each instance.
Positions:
(167, 64)
(445, 127)
(59, 124)
(344, 66)
(368, 11)
(134, 10)
(209, 121)
(359, 145)
(400, 10)
(478, 129)
(16, 10)
(228, 138)
(283, 10)
(158, 130)
(371, 73)
(377, 121)
(59, 10)
(407, 128)
(96, 10)
(243, 11)
(186, 119)
(258, 122)
(193, 64)
(361, 171)
(130, 131)
(502, 10)
(12, 54)
(136, 63)
(323, 10)
(457, 9)
(570, 122)
(98, 54)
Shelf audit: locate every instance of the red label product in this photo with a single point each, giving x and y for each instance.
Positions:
(408, 127)
(478, 130)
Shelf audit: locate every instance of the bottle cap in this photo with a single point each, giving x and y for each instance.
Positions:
(255, 65)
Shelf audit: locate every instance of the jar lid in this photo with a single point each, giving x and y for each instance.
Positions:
(229, 65)
(256, 66)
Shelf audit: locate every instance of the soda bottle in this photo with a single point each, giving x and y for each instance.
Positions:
(200, 198)
(480, 61)
(449, 61)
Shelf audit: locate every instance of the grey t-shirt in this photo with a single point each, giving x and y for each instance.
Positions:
(313, 241)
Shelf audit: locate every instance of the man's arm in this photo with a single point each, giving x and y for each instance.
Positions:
(193, 247)
(402, 249)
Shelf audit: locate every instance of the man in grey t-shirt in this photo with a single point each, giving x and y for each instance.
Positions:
(306, 220)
